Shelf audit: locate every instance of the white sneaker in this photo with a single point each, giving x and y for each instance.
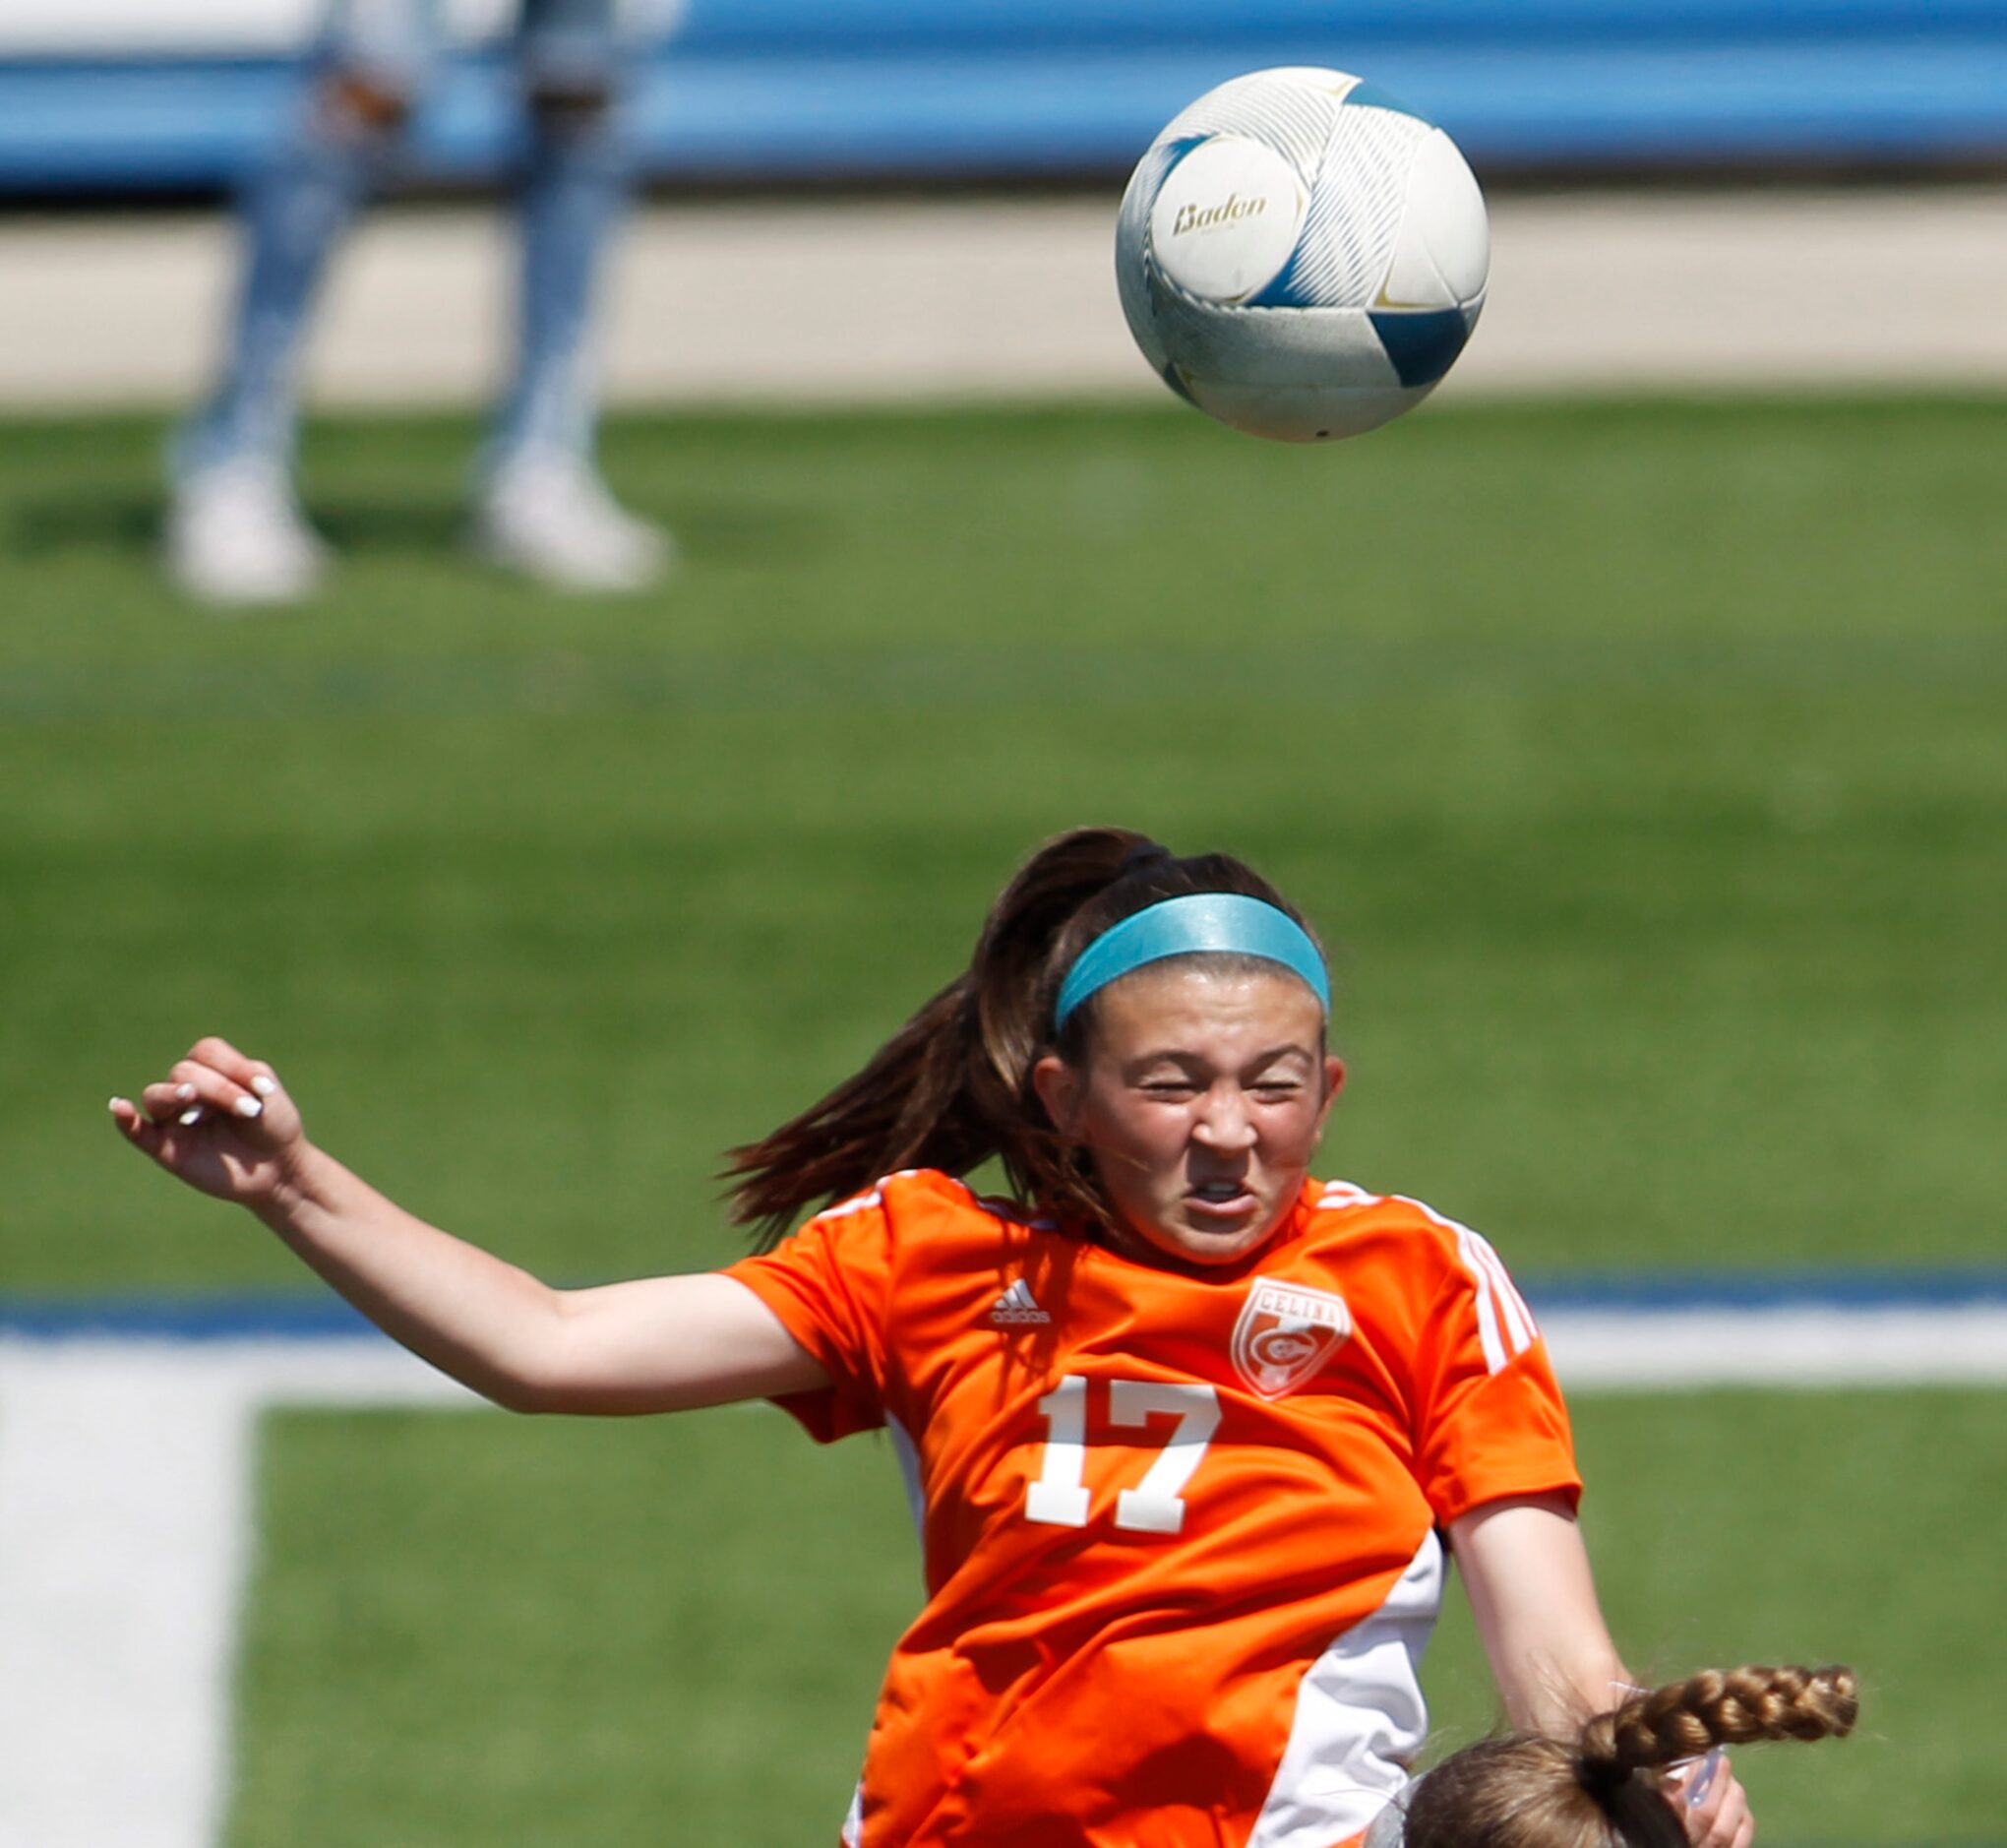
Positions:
(550, 517)
(235, 535)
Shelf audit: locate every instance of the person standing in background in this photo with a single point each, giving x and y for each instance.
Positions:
(236, 532)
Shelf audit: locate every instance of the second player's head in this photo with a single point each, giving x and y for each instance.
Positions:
(1605, 1788)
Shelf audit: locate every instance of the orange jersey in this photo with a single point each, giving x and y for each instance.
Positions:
(1179, 1527)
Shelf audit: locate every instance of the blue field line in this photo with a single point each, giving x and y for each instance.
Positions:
(220, 1316)
(321, 1317)
(1863, 1289)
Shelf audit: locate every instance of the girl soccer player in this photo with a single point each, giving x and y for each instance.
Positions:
(1185, 1429)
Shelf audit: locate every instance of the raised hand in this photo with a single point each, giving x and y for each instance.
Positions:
(219, 1121)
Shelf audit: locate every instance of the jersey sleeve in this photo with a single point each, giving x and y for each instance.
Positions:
(1490, 1420)
(829, 1283)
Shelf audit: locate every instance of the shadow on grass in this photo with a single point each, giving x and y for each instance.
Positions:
(744, 531)
(126, 523)
(417, 528)
(122, 524)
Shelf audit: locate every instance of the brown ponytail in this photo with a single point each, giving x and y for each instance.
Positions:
(1719, 1707)
(1602, 1790)
(952, 1086)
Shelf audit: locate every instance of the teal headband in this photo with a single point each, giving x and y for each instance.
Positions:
(1206, 922)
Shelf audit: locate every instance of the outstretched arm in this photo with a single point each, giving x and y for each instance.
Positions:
(224, 1125)
(1534, 1605)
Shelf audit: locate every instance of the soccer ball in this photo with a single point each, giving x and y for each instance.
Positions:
(1301, 255)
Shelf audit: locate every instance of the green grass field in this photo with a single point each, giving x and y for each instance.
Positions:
(1643, 764)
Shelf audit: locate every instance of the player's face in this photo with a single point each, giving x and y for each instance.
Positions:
(1200, 1100)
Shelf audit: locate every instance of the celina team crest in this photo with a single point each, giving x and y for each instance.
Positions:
(1285, 1333)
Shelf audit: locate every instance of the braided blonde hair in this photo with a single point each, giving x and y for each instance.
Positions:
(1602, 1789)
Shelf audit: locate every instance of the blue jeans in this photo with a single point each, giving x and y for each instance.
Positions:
(572, 187)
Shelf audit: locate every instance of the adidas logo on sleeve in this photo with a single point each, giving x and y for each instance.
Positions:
(1015, 1307)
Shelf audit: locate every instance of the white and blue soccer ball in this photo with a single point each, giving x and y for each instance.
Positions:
(1300, 255)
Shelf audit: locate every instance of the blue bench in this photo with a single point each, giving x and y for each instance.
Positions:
(983, 89)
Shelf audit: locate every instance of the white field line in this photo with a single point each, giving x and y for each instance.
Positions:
(125, 1531)
(125, 1523)
(1817, 1348)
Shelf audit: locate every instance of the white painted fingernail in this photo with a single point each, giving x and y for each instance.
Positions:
(113, 1105)
(262, 1085)
(184, 1092)
(249, 1107)
(1703, 1779)
(188, 1118)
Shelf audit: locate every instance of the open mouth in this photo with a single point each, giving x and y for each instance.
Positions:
(1220, 1196)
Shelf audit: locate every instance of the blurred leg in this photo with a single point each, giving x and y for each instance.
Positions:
(545, 510)
(574, 198)
(293, 213)
(234, 530)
